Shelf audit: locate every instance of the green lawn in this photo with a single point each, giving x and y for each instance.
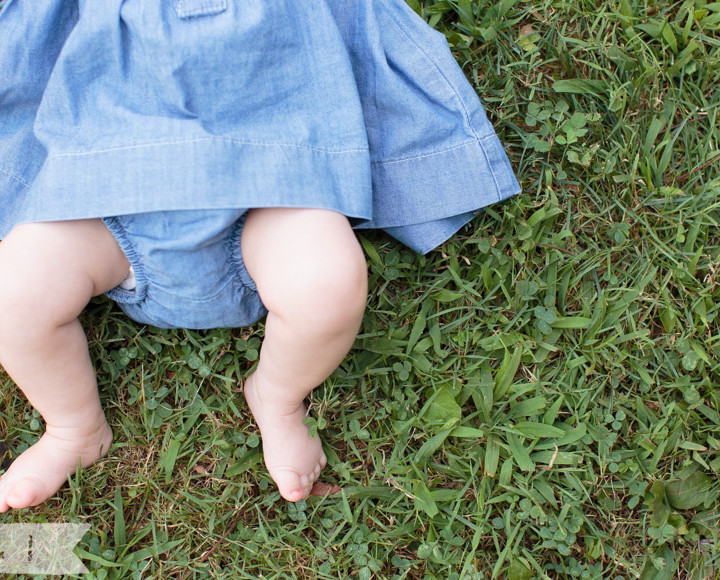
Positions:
(539, 398)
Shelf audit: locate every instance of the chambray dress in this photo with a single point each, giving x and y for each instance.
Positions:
(138, 110)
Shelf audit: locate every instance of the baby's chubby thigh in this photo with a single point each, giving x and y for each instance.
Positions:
(51, 270)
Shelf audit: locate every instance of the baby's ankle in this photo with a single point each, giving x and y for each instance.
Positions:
(84, 421)
(97, 430)
(272, 396)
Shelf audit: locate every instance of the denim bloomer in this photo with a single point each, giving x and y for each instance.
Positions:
(187, 269)
(134, 110)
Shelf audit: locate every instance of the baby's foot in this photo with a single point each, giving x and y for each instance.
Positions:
(293, 458)
(43, 468)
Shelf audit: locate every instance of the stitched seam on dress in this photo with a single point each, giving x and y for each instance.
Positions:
(15, 177)
(434, 153)
(492, 173)
(440, 72)
(201, 139)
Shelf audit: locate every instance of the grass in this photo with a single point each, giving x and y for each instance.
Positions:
(540, 398)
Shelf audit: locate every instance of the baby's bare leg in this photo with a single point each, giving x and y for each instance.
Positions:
(49, 272)
(311, 275)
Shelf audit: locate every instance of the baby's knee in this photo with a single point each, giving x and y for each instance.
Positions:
(31, 296)
(18, 307)
(30, 312)
(332, 292)
(342, 288)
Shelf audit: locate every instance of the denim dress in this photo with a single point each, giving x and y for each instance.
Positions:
(129, 107)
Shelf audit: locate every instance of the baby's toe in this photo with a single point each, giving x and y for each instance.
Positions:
(25, 493)
(290, 485)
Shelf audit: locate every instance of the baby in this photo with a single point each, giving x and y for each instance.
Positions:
(310, 274)
(203, 162)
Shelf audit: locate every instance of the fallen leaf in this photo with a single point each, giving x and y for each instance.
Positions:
(324, 489)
